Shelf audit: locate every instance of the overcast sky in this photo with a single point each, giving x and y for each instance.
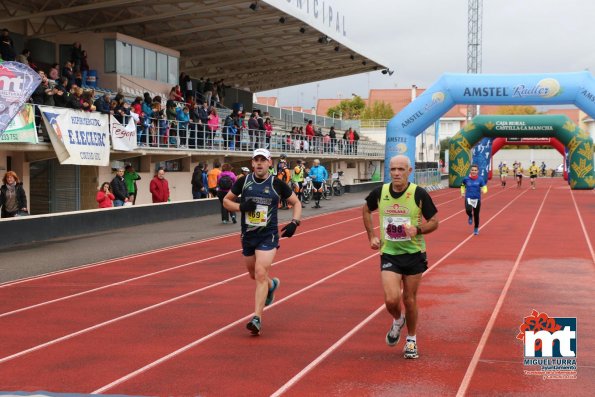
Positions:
(424, 38)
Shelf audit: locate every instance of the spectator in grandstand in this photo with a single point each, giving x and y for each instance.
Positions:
(472, 189)
(102, 104)
(61, 95)
(122, 109)
(145, 119)
(326, 143)
(208, 92)
(84, 66)
(355, 141)
(175, 94)
(13, 198)
(186, 85)
(253, 130)
(76, 56)
(159, 125)
(403, 258)
(22, 58)
(130, 177)
(119, 190)
(212, 179)
(333, 135)
(159, 187)
(137, 108)
(225, 181)
(319, 176)
(199, 190)
(104, 196)
(183, 117)
(268, 128)
(53, 73)
(76, 98)
(44, 93)
(200, 87)
(310, 132)
(201, 128)
(260, 238)
(87, 101)
(68, 73)
(7, 51)
(217, 92)
(212, 125)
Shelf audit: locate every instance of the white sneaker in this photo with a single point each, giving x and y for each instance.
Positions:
(410, 349)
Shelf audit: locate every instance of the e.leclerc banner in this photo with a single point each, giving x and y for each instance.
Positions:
(123, 136)
(21, 128)
(78, 137)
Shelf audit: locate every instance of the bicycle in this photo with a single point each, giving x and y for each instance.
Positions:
(337, 187)
(307, 190)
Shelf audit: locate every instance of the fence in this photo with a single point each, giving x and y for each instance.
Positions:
(293, 118)
(428, 177)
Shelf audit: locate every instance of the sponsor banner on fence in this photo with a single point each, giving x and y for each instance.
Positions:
(21, 128)
(17, 83)
(78, 137)
(123, 136)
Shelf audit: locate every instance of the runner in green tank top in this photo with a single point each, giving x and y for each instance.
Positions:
(401, 206)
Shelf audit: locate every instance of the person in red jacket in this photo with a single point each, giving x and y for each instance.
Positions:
(159, 187)
(104, 196)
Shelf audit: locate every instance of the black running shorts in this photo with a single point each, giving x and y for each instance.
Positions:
(405, 264)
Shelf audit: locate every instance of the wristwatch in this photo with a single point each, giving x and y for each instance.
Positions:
(418, 230)
(297, 222)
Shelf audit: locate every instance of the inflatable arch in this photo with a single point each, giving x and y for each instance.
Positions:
(499, 143)
(579, 143)
(485, 89)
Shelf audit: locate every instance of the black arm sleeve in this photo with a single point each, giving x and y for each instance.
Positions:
(373, 198)
(428, 209)
(238, 186)
(282, 188)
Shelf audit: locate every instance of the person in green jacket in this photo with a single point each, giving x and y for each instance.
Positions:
(130, 178)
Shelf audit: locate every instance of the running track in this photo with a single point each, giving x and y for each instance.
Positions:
(171, 322)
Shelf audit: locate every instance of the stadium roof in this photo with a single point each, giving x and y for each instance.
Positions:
(277, 44)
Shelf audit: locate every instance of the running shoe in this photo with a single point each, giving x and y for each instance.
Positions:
(470, 221)
(476, 231)
(410, 350)
(271, 295)
(254, 325)
(233, 219)
(394, 333)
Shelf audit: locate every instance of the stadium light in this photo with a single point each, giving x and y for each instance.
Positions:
(388, 71)
(337, 48)
(282, 20)
(302, 30)
(352, 57)
(254, 6)
(364, 63)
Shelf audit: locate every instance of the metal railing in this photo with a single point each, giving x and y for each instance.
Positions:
(378, 123)
(295, 118)
(427, 177)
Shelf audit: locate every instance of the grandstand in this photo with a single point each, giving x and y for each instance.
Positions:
(135, 48)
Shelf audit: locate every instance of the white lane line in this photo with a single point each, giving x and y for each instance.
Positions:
(344, 339)
(488, 329)
(221, 330)
(138, 255)
(148, 308)
(580, 218)
(152, 274)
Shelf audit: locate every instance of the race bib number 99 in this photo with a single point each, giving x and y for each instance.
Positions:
(394, 228)
(259, 217)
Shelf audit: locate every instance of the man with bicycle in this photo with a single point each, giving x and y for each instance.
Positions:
(319, 176)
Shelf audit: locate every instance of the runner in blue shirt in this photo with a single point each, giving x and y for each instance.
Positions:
(472, 188)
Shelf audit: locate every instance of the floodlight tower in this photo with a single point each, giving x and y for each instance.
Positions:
(475, 15)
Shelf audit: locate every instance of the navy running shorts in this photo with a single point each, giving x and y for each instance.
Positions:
(262, 242)
(405, 264)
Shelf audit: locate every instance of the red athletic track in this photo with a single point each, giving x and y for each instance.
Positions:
(172, 322)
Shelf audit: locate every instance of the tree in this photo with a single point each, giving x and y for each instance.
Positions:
(348, 108)
(378, 111)
(444, 143)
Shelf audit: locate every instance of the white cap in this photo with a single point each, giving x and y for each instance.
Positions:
(245, 169)
(262, 152)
